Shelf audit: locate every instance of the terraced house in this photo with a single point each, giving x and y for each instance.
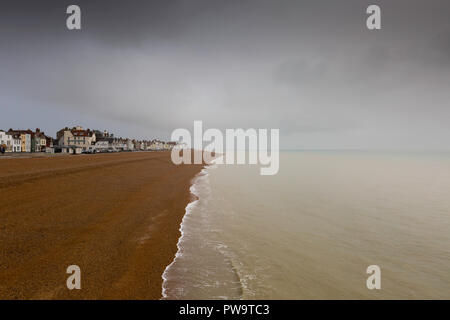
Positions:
(29, 141)
(16, 143)
(39, 143)
(74, 141)
(26, 137)
(10, 142)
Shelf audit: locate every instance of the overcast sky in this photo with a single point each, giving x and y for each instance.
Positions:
(310, 68)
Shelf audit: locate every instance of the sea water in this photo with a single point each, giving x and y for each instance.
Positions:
(311, 231)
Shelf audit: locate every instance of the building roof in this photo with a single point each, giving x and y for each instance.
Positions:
(82, 133)
(76, 132)
(11, 131)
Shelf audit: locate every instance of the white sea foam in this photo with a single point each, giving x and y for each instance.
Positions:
(193, 189)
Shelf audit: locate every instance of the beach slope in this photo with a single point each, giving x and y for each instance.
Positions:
(116, 216)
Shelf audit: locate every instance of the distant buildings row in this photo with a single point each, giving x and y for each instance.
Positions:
(74, 141)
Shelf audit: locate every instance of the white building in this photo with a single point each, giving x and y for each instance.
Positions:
(76, 137)
(156, 145)
(6, 140)
(119, 144)
(129, 145)
(16, 143)
(102, 146)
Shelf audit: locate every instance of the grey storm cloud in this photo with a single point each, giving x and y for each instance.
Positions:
(310, 68)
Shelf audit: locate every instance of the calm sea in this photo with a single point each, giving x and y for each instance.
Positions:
(311, 231)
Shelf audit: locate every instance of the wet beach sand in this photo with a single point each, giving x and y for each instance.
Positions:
(116, 216)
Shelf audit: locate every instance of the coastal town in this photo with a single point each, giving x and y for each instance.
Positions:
(75, 140)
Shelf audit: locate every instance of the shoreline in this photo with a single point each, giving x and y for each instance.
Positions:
(188, 211)
(195, 197)
(117, 216)
(181, 231)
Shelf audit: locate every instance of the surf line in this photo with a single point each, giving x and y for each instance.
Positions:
(187, 211)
